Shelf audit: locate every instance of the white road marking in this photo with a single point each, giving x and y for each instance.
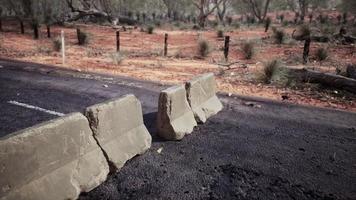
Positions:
(36, 108)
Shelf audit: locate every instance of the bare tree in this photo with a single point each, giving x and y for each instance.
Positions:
(205, 9)
(259, 8)
(221, 9)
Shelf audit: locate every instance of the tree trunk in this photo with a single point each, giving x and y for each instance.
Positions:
(35, 31)
(201, 21)
(306, 50)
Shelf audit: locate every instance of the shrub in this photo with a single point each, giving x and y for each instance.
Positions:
(83, 37)
(321, 54)
(236, 25)
(229, 20)
(44, 50)
(267, 23)
(285, 23)
(269, 70)
(117, 57)
(323, 19)
(57, 44)
(150, 29)
(203, 48)
(304, 31)
(279, 35)
(248, 49)
(281, 17)
(220, 33)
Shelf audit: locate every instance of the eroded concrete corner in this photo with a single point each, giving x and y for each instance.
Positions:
(58, 159)
(119, 130)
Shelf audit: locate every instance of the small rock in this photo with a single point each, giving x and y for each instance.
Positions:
(336, 92)
(105, 86)
(1, 67)
(160, 150)
(230, 94)
(252, 104)
(285, 97)
(78, 70)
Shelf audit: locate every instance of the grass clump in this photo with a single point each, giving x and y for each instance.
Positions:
(269, 70)
(117, 57)
(203, 48)
(150, 29)
(279, 36)
(57, 44)
(272, 72)
(248, 49)
(321, 54)
(83, 37)
(220, 33)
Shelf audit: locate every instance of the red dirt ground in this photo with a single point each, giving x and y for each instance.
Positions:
(143, 59)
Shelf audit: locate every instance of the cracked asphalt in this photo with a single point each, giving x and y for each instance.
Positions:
(269, 151)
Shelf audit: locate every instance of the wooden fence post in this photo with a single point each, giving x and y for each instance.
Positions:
(63, 48)
(227, 47)
(165, 44)
(22, 27)
(48, 31)
(306, 50)
(78, 36)
(118, 41)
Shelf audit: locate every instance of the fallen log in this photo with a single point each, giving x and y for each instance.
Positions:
(326, 79)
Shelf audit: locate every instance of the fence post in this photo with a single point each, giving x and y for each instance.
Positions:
(22, 26)
(165, 44)
(63, 48)
(118, 41)
(306, 50)
(78, 36)
(226, 48)
(48, 31)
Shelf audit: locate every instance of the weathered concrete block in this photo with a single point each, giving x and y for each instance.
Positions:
(201, 94)
(175, 118)
(119, 129)
(54, 160)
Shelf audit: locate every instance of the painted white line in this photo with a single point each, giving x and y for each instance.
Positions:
(36, 108)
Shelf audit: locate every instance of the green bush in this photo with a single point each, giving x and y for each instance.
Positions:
(248, 49)
(117, 57)
(279, 36)
(150, 29)
(203, 48)
(57, 44)
(269, 70)
(321, 54)
(304, 31)
(83, 37)
(220, 33)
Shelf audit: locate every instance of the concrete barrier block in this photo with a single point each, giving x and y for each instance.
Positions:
(54, 160)
(201, 94)
(175, 118)
(119, 129)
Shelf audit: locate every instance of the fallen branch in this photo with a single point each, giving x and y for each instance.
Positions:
(228, 65)
(326, 79)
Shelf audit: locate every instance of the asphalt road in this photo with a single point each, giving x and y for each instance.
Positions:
(268, 151)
